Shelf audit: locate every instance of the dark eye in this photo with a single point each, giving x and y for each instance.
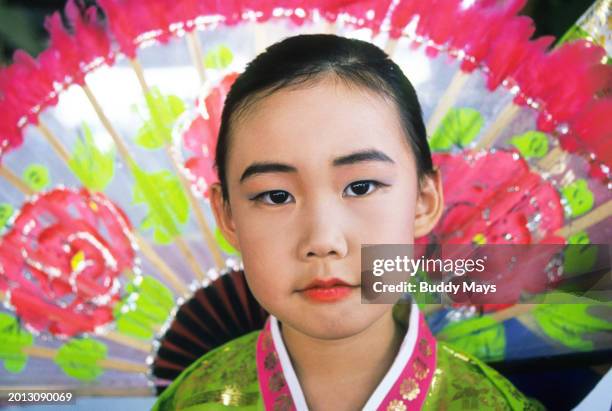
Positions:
(274, 197)
(361, 188)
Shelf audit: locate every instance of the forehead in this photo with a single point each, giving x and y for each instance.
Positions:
(315, 123)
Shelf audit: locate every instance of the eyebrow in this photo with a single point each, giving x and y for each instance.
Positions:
(352, 158)
(362, 156)
(265, 167)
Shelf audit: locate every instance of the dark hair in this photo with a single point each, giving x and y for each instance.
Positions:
(299, 59)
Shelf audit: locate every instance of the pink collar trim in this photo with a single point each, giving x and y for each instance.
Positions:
(404, 387)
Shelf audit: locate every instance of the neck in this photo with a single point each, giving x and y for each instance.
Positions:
(359, 361)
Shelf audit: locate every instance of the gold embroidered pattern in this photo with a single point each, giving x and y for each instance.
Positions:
(396, 405)
(266, 340)
(224, 397)
(231, 395)
(424, 347)
(279, 397)
(468, 397)
(420, 369)
(456, 354)
(409, 389)
(276, 382)
(225, 376)
(283, 403)
(270, 361)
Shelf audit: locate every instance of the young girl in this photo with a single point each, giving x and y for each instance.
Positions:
(321, 149)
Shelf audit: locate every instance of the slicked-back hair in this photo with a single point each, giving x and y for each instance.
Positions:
(303, 59)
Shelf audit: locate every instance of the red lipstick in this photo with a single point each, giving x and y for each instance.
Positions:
(330, 290)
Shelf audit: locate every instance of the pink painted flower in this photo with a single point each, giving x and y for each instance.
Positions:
(494, 198)
(200, 138)
(593, 127)
(62, 259)
(497, 202)
(569, 79)
(77, 52)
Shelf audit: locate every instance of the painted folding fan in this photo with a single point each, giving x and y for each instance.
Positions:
(112, 273)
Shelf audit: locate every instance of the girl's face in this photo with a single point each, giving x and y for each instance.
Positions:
(313, 173)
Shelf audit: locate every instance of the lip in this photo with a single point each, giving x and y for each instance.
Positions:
(329, 290)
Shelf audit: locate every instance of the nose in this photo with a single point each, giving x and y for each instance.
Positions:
(322, 233)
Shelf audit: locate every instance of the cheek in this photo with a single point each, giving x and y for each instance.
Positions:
(263, 255)
(269, 278)
(263, 241)
(264, 287)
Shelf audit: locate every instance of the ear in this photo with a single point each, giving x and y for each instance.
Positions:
(223, 215)
(430, 204)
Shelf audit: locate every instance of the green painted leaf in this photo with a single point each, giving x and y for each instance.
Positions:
(12, 340)
(16, 363)
(176, 106)
(156, 293)
(574, 33)
(580, 237)
(36, 177)
(459, 127)
(145, 308)
(225, 246)
(78, 358)
(218, 58)
(147, 138)
(482, 337)
(572, 324)
(579, 197)
(579, 256)
(163, 112)
(167, 203)
(132, 324)
(93, 167)
(6, 211)
(532, 144)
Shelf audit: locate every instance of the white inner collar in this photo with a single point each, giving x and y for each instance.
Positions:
(405, 352)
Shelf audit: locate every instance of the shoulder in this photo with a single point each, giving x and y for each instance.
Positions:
(226, 375)
(461, 381)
